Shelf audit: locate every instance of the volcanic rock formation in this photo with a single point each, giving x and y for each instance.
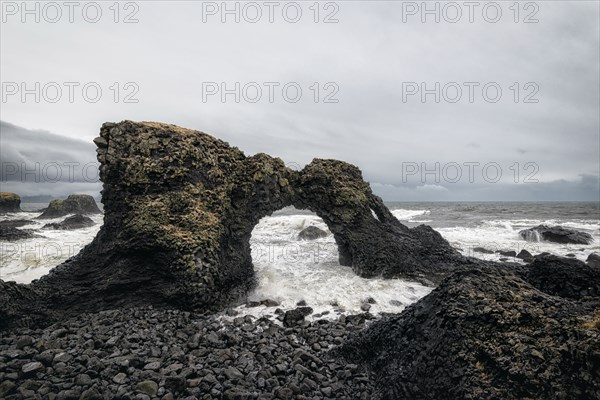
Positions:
(9, 202)
(489, 333)
(556, 234)
(74, 204)
(76, 221)
(180, 207)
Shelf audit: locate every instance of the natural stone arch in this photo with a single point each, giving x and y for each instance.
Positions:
(180, 207)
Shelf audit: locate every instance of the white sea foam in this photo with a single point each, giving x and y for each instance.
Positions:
(409, 215)
(289, 270)
(25, 260)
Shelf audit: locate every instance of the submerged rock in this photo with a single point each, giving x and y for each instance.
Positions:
(76, 221)
(9, 202)
(11, 234)
(556, 234)
(74, 204)
(487, 333)
(311, 233)
(179, 210)
(525, 256)
(15, 223)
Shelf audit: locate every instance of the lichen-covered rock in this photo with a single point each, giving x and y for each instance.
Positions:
(76, 221)
(9, 202)
(485, 334)
(311, 233)
(74, 204)
(179, 210)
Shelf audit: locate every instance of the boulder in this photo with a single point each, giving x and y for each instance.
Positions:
(593, 260)
(76, 221)
(507, 253)
(564, 277)
(556, 234)
(11, 234)
(74, 204)
(9, 203)
(311, 233)
(296, 316)
(485, 333)
(15, 223)
(525, 256)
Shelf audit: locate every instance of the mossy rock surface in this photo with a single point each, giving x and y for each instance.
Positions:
(9, 202)
(179, 209)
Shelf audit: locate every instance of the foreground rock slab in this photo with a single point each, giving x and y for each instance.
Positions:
(490, 334)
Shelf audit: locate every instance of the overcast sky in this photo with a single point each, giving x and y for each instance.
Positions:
(373, 63)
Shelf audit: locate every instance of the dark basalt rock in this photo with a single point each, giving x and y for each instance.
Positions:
(483, 250)
(556, 234)
(296, 316)
(179, 210)
(525, 256)
(311, 233)
(593, 260)
(507, 253)
(11, 234)
(564, 277)
(15, 223)
(485, 334)
(76, 221)
(9, 203)
(74, 204)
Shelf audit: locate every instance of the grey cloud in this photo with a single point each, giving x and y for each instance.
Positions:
(368, 54)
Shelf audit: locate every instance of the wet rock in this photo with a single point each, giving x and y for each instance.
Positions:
(312, 233)
(296, 316)
(9, 203)
(11, 234)
(556, 234)
(593, 260)
(365, 307)
(483, 250)
(15, 223)
(76, 221)
(525, 256)
(507, 253)
(73, 204)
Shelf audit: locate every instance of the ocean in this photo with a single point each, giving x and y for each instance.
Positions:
(289, 270)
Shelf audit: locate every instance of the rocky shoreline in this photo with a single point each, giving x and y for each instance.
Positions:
(146, 353)
(142, 311)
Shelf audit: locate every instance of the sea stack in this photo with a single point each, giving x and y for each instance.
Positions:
(9, 203)
(74, 204)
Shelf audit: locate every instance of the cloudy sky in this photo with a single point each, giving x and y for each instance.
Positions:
(493, 102)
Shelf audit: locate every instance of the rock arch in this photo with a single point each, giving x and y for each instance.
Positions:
(180, 206)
